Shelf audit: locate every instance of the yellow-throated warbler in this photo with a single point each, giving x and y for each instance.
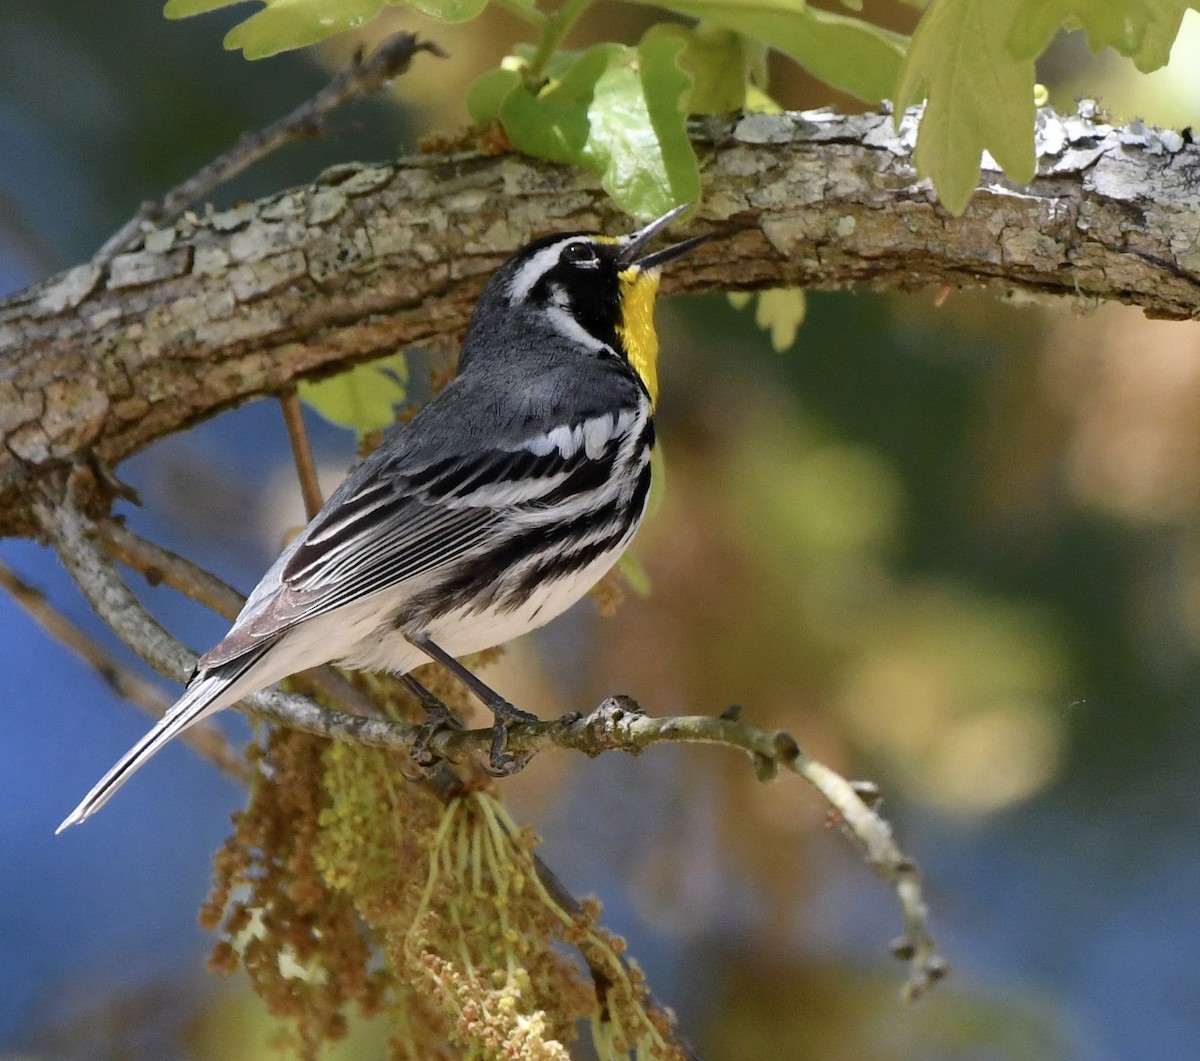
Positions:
(495, 508)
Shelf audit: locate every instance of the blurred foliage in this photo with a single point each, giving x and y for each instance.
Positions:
(367, 398)
(779, 310)
(847, 1017)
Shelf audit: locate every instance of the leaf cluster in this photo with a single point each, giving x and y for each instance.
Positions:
(620, 109)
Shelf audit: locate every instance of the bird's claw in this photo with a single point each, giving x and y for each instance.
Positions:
(501, 762)
(504, 764)
(424, 758)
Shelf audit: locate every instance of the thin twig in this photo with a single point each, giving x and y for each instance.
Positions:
(160, 566)
(391, 59)
(616, 724)
(205, 739)
(306, 467)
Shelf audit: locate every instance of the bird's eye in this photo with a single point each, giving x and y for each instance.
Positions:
(580, 253)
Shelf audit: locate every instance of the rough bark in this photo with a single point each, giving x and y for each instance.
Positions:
(216, 309)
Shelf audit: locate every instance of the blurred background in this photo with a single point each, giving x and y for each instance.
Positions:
(951, 543)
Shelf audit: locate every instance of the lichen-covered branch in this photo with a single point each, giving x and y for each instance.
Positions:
(227, 305)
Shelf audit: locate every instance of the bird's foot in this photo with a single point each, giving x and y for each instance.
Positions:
(437, 719)
(501, 762)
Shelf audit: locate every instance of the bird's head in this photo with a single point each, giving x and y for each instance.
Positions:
(595, 291)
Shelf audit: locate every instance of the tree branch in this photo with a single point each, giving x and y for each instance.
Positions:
(213, 310)
(159, 566)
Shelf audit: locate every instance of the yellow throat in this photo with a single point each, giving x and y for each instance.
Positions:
(638, 288)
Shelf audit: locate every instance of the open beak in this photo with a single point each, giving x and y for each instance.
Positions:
(637, 242)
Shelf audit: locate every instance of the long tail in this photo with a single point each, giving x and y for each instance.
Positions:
(205, 694)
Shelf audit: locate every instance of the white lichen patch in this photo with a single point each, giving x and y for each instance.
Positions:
(68, 291)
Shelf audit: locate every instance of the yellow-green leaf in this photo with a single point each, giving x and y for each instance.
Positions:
(781, 311)
(717, 61)
(758, 100)
(980, 97)
(487, 95)
(364, 398)
(1144, 30)
(287, 24)
(844, 52)
(186, 8)
(556, 123)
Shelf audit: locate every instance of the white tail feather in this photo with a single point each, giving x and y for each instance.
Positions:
(203, 697)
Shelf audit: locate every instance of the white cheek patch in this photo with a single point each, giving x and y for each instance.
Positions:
(569, 328)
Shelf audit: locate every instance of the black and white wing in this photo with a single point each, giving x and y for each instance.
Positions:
(397, 520)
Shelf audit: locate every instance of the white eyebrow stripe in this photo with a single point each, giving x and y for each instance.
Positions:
(534, 269)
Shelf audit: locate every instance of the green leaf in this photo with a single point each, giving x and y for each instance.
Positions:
(1143, 30)
(979, 96)
(556, 66)
(666, 86)
(445, 10)
(556, 123)
(287, 24)
(780, 310)
(186, 8)
(616, 110)
(487, 95)
(717, 62)
(637, 140)
(845, 52)
(364, 398)
(633, 571)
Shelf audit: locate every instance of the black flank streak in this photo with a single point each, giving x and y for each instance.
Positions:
(478, 582)
(588, 476)
(646, 442)
(637, 503)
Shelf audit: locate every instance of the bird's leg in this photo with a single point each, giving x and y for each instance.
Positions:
(437, 717)
(500, 762)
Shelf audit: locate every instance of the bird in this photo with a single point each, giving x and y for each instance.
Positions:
(490, 512)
